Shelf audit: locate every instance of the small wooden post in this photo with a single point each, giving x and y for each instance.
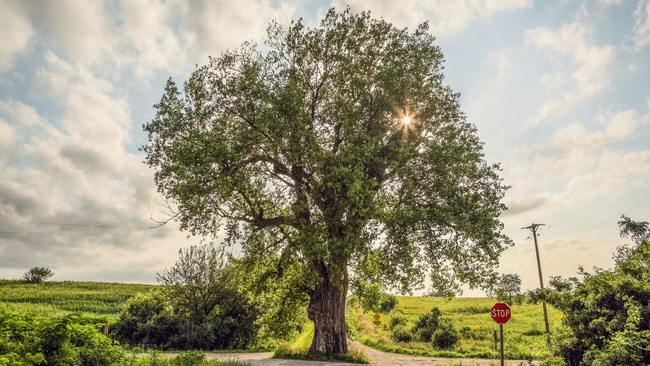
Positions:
(105, 330)
(496, 345)
(501, 331)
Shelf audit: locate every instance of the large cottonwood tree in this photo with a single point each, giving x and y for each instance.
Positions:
(334, 149)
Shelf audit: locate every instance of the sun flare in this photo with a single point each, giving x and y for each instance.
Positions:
(406, 120)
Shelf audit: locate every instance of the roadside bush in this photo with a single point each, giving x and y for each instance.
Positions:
(432, 327)
(37, 274)
(401, 333)
(149, 320)
(64, 341)
(445, 337)
(396, 321)
(199, 305)
(606, 316)
(427, 325)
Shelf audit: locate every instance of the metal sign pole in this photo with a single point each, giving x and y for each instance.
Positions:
(501, 330)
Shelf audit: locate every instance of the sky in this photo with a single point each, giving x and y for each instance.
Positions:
(559, 92)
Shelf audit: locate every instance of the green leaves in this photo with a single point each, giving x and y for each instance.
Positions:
(300, 152)
(68, 340)
(606, 315)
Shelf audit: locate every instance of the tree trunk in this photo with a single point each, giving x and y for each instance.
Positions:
(327, 311)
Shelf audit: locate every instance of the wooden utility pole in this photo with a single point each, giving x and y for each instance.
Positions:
(533, 229)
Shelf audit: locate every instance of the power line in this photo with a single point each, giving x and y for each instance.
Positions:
(523, 258)
(81, 234)
(574, 227)
(617, 215)
(522, 254)
(610, 192)
(615, 189)
(82, 225)
(593, 230)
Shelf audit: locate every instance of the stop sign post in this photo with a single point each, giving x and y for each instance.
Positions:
(501, 314)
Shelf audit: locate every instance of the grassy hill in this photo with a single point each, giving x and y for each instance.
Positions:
(51, 299)
(523, 334)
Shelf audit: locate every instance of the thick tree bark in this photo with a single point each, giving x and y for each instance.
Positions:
(327, 311)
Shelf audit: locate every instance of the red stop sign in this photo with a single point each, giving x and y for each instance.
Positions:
(501, 313)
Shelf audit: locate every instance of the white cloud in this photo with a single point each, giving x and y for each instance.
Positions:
(620, 125)
(15, 32)
(576, 165)
(146, 28)
(79, 171)
(142, 35)
(641, 31)
(500, 61)
(446, 17)
(606, 3)
(93, 115)
(589, 64)
(79, 29)
(19, 113)
(210, 27)
(6, 139)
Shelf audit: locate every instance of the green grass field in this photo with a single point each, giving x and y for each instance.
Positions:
(523, 334)
(51, 299)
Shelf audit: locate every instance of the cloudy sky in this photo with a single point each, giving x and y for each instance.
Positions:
(559, 90)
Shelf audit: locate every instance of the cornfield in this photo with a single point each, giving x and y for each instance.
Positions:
(60, 298)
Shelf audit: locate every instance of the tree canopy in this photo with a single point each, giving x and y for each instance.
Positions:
(509, 286)
(335, 148)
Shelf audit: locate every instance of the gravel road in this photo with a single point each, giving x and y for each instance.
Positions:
(377, 358)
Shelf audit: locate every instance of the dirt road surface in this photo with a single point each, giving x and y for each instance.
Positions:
(377, 358)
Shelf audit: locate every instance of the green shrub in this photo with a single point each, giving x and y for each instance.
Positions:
(64, 341)
(606, 313)
(427, 325)
(401, 334)
(432, 327)
(396, 321)
(387, 303)
(445, 337)
(149, 320)
(533, 332)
